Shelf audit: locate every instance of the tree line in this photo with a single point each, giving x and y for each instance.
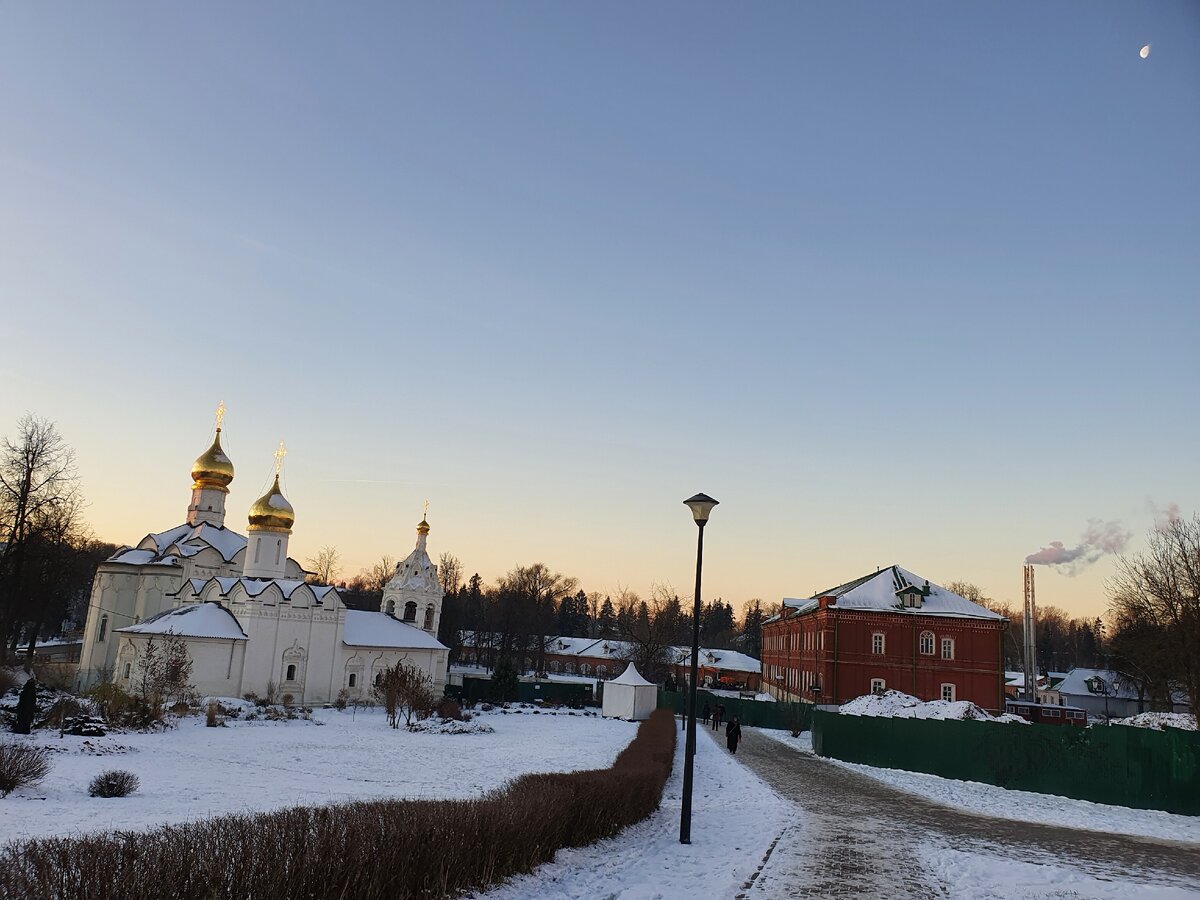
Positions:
(48, 555)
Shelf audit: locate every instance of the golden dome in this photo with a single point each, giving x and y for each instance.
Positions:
(423, 527)
(213, 469)
(272, 512)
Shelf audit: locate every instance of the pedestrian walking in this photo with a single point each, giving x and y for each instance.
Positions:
(718, 714)
(733, 734)
(706, 714)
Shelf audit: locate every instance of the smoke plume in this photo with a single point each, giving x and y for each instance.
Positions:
(1100, 539)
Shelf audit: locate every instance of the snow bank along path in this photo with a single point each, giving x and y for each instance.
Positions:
(898, 705)
(193, 772)
(1020, 806)
(735, 819)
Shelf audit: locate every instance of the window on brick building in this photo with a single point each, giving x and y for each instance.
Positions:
(948, 692)
(878, 685)
(927, 643)
(877, 642)
(947, 648)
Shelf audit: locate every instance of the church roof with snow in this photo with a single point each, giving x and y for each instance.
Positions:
(882, 590)
(199, 620)
(186, 540)
(255, 587)
(377, 629)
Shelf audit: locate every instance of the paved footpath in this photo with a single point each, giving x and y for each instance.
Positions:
(856, 837)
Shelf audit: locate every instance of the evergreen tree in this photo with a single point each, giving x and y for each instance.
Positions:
(752, 628)
(606, 620)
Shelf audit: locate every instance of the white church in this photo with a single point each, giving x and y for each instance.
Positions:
(244, 609)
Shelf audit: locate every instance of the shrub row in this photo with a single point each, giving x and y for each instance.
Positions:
(375, 849)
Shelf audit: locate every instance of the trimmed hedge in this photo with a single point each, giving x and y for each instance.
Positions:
(381, 848)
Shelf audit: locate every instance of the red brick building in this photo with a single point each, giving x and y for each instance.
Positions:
(891, 630)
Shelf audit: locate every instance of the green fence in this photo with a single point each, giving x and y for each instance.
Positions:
(1137, 767)
(755, 713)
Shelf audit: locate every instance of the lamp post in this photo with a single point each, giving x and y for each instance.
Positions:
(701, 505)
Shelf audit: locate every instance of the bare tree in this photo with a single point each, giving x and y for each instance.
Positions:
(378, 575)
(450, 571)
(1156, 595)
(326, 566)
(164, 671)
(539, 590)
(38, 485)
(651, 632)
(406, 691)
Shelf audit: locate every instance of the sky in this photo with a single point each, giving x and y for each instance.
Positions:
(896, 283)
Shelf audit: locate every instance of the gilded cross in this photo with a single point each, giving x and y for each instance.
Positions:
(425, 511)
(220, 414)
(279, 455)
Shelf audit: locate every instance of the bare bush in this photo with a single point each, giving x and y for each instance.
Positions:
(210, 714)
(113, 783)
(381, 848)
(21, 765)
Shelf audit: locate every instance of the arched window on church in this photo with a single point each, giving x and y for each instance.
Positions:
(353, 679)
(103, 630)
(378, 678)
(429, 618)
(391, 607)
(410, 611)
(291, 673)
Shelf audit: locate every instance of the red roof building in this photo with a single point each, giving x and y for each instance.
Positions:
(891, 630)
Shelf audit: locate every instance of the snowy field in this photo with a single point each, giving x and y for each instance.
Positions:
(1022, 806)
(735, 817)
(192, 772)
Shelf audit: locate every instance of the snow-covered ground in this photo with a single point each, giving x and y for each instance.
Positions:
(987, 877)
(735, 818)
(1022, 806)
(191, 772)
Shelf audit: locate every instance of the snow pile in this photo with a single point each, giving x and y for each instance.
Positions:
(1159, 721)
(898, 705)
(450, 726)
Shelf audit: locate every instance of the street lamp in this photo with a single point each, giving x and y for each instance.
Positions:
(701, 505)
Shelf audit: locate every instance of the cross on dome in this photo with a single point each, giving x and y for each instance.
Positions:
(279, 454)
(220, 414)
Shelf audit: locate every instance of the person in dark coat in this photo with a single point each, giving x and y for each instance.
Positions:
(706, 713)
(733, 734)
(718, 714)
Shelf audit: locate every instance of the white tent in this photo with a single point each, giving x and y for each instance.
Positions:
(629, 696)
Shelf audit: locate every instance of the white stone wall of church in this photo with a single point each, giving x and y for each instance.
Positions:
(126, 595)
(281, 636)
(216, 664)
(365, 663)
(266, 554)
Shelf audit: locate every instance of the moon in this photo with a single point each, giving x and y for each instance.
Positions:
(1144, 52)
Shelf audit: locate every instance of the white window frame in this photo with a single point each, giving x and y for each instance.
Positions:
(878, 685)
(953, 692)
(947, 645)
(878, 639)
(928, 643)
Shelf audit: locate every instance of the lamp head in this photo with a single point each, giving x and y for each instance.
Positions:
(701, 505)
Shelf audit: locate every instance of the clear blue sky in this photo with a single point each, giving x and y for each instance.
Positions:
(908, 283)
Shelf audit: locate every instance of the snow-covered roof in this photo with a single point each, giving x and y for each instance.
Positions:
(186, 540)
(718, 659)
(878, 592)
(377, 629)
(632, 677)
(201, 620)
(1114, 684)
(255, 587)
